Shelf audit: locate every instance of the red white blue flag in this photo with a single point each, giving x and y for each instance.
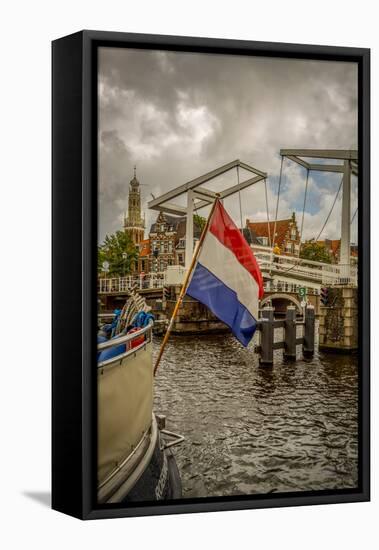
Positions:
(226, 277)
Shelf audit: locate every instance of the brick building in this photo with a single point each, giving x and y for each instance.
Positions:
(287, 236)
(165, 245)
(144, 256)
(162, 244)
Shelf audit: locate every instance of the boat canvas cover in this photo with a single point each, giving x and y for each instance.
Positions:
(125, 404)
(226, 277)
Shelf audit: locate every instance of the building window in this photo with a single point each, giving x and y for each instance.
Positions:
(263, 241)
(293, 233)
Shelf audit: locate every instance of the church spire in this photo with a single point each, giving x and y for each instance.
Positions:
(134, 182)
(134, 224)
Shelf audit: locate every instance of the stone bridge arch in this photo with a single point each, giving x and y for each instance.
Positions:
(284, 298)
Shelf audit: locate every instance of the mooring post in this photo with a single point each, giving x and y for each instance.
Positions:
(309, 331)
(290, 333)
(267, 336)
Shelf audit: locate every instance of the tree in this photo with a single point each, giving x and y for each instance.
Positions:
(199, 221)
(113, 250)
(317, 252)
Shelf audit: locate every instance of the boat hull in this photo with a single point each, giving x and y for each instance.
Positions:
(134, 463)
(159, 481)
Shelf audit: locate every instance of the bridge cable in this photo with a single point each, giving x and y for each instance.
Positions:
(305, 200)
(323, 227)
(268, 214)
(330, 211)
(239, 196)
(268, 218)
(355, 213)
(302, 225)
(277, 201)
(240, 205)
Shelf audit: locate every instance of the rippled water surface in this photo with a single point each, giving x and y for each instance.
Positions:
(252, 429)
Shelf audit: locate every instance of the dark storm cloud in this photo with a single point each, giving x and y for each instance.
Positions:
(178, 115)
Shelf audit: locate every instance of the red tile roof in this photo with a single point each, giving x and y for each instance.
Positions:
(261, 229)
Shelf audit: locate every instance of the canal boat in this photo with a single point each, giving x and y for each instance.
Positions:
(135, 459)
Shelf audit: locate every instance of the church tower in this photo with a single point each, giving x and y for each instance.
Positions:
(134, 224)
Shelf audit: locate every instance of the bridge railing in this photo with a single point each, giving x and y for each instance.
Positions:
(284, 286)
(281, 267)
(327, 274)
(124, 284)
(341, 274)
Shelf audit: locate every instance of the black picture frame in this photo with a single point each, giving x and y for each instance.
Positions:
(74, 204)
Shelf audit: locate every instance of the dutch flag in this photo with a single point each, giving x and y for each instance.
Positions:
(226, 277)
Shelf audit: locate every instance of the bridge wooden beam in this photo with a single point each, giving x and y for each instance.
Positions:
(181, 189)
(163, 202)
(338, 154)
(203, 193)
(327, 167)
(240, 186)
(171, 208)
(299, 161)
(252, 169)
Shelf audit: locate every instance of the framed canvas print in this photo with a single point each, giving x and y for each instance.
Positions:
(210, 274)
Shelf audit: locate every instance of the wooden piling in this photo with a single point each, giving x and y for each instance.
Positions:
(309, 331)
(267, 336)
(290, 333)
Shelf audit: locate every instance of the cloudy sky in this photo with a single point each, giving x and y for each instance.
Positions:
(179, 115)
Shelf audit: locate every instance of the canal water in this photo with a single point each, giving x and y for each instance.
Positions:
(252, 429)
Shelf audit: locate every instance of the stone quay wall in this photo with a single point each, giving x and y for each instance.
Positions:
(338, 328)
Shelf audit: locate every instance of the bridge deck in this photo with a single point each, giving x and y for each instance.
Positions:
(279, 270)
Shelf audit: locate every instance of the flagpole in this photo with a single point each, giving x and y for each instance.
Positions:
(185, 284)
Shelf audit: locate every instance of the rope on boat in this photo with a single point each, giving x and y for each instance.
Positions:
(133, 305)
